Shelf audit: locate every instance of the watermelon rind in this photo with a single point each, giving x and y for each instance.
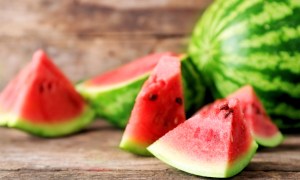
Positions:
(135, 147)
(63, 128)
(186, 163)
(273, 141)
(193, 86)
(115, 102)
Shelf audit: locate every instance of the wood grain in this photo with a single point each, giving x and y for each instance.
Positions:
(85, 38)
(94, 153)
(88, 37)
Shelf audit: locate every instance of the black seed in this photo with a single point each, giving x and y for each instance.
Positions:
(228, 113)
(257, 110)
(166, 123)
(41, 88)
(152, 97)
(224, 107)
(50, 86)
(178, 100)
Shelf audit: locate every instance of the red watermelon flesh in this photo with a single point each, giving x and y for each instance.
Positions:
(205, 110)
(41, 95)
(216, 144)
(158, 108)
(263, 129)
(128, 71)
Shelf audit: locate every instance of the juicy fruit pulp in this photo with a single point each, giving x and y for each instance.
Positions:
(215, 144)
(248, 42)
(128, 71)
(158, 108)
(42, 101)
(263, 129)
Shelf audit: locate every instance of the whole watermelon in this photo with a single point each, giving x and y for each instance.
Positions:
(253, 42)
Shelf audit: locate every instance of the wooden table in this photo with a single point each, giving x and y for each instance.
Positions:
(85, 38)
(94, 154)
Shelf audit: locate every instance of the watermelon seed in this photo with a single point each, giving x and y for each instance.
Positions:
(228, 113)
(256, 109)
(152, 97)
(224, 107)
(49, 86)
(178, 100)
(166, 123)
(41, 88)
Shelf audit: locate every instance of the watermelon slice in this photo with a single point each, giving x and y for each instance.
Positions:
(158, 108)
(216, 144)
(263, 129)
(42, 101)
(113, 94)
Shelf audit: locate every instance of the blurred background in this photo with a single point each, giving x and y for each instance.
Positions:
(87, 37)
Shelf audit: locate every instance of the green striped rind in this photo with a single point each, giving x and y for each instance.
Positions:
(184, 162)
(193, 86)
(49, 130)
(249, 42)
(273, 141)
(114, 103)
(134, 146)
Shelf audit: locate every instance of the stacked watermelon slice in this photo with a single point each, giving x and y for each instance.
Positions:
(218, 141)
(158, 109)
(113, 93)
(153, 95)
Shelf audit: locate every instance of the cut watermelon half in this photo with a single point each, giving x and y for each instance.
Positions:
(263, 129)
(158, 109)
(42, 101)
(113, 93)
(216, 144)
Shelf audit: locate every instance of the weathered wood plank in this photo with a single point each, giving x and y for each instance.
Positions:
(88, 37)
(78, 58)
(136, 175)
(94, 153)
(23, 18)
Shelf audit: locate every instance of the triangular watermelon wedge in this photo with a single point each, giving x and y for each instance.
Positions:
(217, 143)
(263, 129)
(158, 109)
(42, 101)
